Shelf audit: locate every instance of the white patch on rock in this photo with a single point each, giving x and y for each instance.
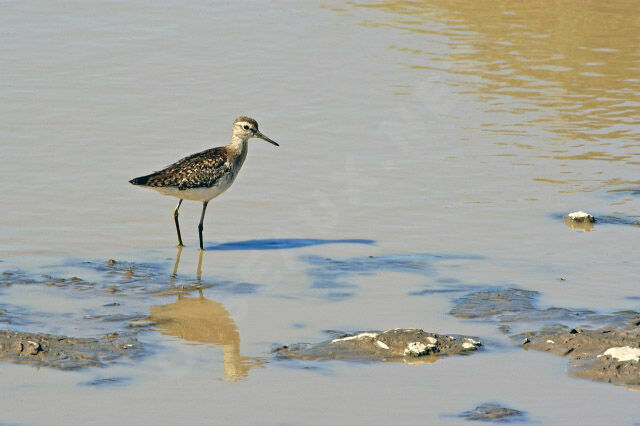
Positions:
(580, 216)
(467, 345)
(415, 348)
(623, 353)
(431, 339)
(357, 336)
(471, 341)
(382, 344)
(550, 341)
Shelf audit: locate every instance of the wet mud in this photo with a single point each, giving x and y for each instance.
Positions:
(125, 288)
(108, 381)
(517, 306)
(37, 342)
(608, 354)
(67, 353)
(329, 276)
(110, 277)
(120, 278)
(398, 345)
(491, 412)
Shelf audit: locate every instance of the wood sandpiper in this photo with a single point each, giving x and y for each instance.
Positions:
(207, 174)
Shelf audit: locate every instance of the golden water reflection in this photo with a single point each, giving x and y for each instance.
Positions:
(575, 64)
(201, 320)
(578, 226)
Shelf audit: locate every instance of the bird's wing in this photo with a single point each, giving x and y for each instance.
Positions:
(195, 171)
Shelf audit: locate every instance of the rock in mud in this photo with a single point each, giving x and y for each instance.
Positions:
(398, 345)
(580, 217)
(579, 221)
(607, 354)
(491, 412)
(66, 353)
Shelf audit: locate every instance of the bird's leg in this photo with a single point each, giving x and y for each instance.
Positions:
(175, 217)
(204, 208)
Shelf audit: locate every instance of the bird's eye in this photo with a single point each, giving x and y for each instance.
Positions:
(246, 127)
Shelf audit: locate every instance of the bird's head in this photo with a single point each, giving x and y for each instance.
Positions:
(245, 128)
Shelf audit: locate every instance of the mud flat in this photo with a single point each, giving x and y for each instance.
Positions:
(397, 345)
(491, 412)
(124, 316)
(610, 353)
(511, 305)
(518, 306)
(607, 354)
(120, 278)
(66, 353)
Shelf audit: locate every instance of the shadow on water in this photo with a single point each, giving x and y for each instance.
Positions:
(284, 243)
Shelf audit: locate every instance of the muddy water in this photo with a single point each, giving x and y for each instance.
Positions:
(446, 139)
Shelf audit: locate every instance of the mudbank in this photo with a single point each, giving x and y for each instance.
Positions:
(398, 345)
(609, 354)
(512, 305)
(606, 355)
(66, 353)
(491, 412)
(121, 279)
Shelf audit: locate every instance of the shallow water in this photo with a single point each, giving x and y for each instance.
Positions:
(446, 139)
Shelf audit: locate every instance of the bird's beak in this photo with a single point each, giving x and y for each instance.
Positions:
(261, 136)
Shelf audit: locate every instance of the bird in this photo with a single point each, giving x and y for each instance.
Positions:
(207, 174)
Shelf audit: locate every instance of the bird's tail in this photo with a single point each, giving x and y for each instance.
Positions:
(142, 180)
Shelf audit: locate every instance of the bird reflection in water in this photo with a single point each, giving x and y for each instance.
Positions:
(174, 275)
(202, 320)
